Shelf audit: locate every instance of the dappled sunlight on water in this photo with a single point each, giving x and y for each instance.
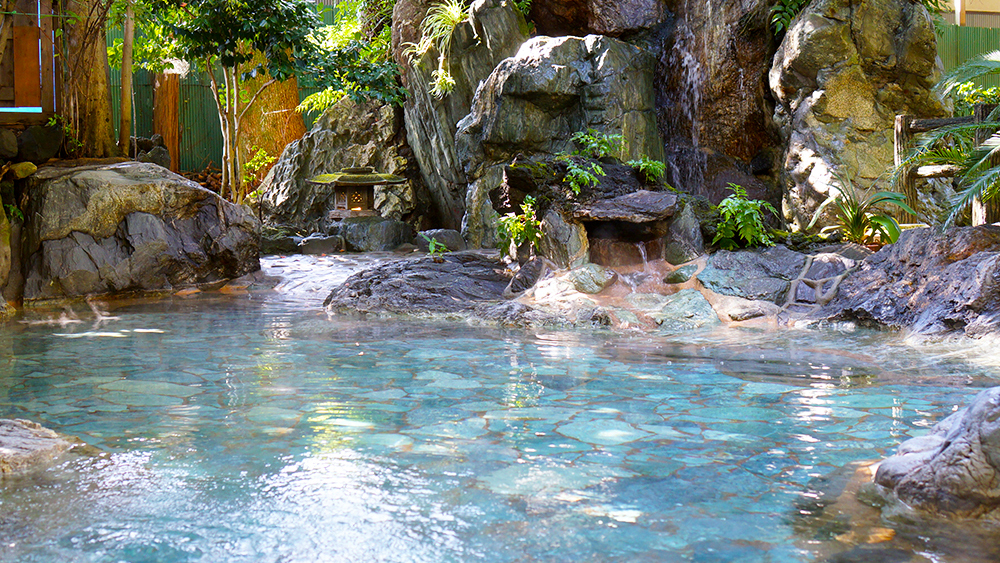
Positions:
(255, 428)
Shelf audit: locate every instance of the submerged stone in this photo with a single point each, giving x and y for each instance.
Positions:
(24, 444)
(591, 278)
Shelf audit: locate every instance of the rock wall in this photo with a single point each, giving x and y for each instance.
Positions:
(601, 17)
(713, 99)
(534, 101)
(844, 70)
(100, 229)
(493, 33)
(347, 134)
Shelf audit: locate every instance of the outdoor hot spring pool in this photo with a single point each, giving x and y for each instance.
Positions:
(254, 428)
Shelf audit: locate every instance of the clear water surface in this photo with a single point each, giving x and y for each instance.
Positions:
(255, 428)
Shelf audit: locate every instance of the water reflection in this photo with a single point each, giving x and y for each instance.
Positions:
(244, 429)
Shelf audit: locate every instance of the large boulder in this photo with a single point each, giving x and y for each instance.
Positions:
(927, 283)
(844, 70)
(536, 100)
(24, 444)
(455, 284)
(347, 134)
(100, 229)
(955, 469)
(758, 274)
(492, 33)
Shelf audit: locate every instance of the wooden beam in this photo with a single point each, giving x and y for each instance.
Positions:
(925, 125)
(47, 37)
(937, 171)
(27, 68)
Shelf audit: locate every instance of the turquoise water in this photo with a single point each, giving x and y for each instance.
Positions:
(254, 428)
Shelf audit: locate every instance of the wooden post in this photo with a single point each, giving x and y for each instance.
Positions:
(166, 114)
(984, 212)
(907, 184)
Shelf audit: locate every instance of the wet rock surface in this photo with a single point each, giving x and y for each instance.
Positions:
(24, 444)
(953, 470)
(458, 283)
(102, 229)
(534, 101)
(927, 283)
(761, 274)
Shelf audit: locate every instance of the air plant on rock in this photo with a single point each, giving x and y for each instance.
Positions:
(861, 216)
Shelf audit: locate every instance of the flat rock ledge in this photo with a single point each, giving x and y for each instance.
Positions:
(928, 283)
(25, 444)
(954, 470)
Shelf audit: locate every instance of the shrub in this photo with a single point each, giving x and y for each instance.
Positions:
(514, 229)
(742, 224)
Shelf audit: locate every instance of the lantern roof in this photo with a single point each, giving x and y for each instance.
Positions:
(356, 176)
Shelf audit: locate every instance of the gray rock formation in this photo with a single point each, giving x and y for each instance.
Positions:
(533, 103)
(927, 283)
(601, 17)
(347, 134)
(955, 469)
(38, 144)
(450, 238)
(24, 444)
(102, 229)
(458, 284)
(844, 70)
(8, 144)
(156, 155)
(493, 33)
(759, 274)
(370, 234)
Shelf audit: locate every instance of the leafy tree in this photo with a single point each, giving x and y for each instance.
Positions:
(226, 35)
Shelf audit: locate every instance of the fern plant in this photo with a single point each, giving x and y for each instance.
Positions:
(742, 223)
(651, 170)
(596, 144)
(580, 176)
(784, 12)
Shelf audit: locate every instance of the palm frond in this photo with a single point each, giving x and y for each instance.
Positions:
(985, 65)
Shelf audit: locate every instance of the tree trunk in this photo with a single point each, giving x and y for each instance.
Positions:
(125, 124)
(86, 96)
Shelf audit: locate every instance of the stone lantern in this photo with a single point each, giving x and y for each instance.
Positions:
(354, 190)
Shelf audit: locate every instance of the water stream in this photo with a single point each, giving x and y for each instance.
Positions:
(253, 427)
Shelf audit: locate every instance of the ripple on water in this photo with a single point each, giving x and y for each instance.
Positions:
(250, 429)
